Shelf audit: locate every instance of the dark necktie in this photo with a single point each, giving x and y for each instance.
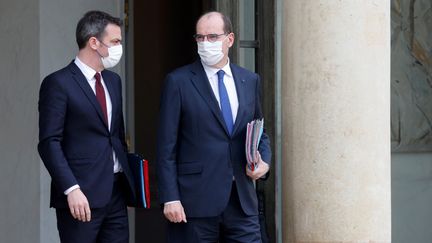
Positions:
(100, 96)
(224, 102)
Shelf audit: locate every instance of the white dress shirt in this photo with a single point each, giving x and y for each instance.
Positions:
(229, 85)
(89, 74)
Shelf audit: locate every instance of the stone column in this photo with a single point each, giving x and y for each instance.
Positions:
(336, 121)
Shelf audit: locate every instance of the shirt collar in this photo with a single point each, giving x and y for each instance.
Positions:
(211, 71)
(88, 72)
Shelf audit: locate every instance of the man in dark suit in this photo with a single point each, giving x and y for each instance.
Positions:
(82, 137)
(204, 183)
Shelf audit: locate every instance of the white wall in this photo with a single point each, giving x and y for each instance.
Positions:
(19, 82)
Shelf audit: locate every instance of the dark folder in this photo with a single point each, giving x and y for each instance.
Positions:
(139, 168)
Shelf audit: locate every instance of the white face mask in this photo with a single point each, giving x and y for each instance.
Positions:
(114, 55)
(210, 52)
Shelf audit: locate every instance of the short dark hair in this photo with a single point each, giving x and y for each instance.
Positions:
(226, 20)
(93, 24)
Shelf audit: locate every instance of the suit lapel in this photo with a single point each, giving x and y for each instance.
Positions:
(112, 94)
(85, 87)
(202, 84)
(239, 81)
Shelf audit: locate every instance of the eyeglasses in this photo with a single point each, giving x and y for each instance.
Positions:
(210, 37)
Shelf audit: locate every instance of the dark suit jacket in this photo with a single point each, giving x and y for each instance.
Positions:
(74, 141)
(197, 158)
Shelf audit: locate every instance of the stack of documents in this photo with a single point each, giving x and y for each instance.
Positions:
(254, 131)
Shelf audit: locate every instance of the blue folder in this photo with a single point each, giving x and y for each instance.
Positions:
(139, 168)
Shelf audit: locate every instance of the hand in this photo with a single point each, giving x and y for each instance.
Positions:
(79, 206)
(174, 212)
(260, 170)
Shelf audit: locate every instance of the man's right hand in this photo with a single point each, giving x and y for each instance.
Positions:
(79, 206)
(174, 212)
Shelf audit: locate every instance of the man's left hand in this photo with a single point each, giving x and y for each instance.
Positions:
(260, 170)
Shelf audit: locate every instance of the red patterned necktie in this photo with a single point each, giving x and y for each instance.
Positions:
(100, 96)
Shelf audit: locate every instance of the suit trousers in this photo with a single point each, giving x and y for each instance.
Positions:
(233, 225)
(107, 225)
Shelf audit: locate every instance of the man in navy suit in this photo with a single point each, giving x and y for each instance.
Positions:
(82, 137)
(205, 186)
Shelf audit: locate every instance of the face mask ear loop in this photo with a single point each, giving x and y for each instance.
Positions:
(98, 51)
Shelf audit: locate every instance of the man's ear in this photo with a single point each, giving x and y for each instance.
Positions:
(231, 38)
(93, 42)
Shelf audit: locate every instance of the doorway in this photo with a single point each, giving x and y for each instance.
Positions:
(162, 41)
(162, 37)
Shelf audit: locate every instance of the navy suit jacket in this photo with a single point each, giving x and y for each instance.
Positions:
(74, 141)
(197, 158)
